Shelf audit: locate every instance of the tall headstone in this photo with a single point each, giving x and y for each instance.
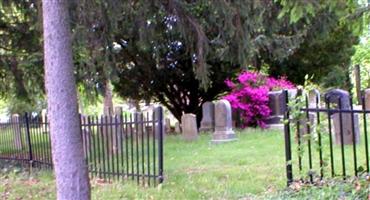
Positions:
(168, 125)
(18, 142)
(277, 106)
(177, 127)
(314, 98)
(367, 99)
(189, 127)
(208, 117)
(343, 123)
(223, 123)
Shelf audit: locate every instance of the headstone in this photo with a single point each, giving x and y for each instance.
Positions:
(277, 106)
(168, 125)
(367, 99)
(18, 142)
(314, 98)
(189, 127)
(306, 125)
(223, 123)
(350, 129)
(177, 127)
(208, 117)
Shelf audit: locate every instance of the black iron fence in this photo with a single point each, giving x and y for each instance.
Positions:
(128, 146)
(328, 139)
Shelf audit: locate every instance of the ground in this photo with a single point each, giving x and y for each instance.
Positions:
(251, 168)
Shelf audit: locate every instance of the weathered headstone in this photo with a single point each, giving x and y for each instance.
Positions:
(168, 125)
(314, 98)
(342, 122)
(277, 106)
(177, 127)
(189, 127)
(223, 123)
(18, 142)
(367, 99)
(306, 125)
(208, 117)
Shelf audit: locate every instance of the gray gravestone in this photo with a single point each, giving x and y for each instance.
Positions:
(208, 117)
(189, 127)
(177, 127)
(341, 97)
(277, 106)
(367, 99)
(168, 125)
(223, 123)
(18, 142)
(314, 98)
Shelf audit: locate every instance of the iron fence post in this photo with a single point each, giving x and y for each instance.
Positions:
(160, 144)
(288, 150)
(29, 139)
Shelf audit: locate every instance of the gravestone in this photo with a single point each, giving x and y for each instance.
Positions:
(307, 125)
(189, 127)
(223, 123)
(208, 117)
(314, 98)
(336, 96)
(367, 99)
(168, 125)
(177, 127)
(277, 106)
(18, 141)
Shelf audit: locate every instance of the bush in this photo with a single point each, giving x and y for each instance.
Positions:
(249, 94)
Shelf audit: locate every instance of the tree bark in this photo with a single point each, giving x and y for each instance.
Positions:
(70, 168)
(108, 99)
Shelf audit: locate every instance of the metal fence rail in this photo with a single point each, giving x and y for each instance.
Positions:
(327, 141)
(120, 147)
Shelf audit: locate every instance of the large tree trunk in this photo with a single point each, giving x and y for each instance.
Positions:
(68, 158)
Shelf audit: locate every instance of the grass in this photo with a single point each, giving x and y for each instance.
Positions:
(199, 170)
(252, 167)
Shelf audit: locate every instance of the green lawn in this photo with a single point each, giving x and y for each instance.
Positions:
(252, 167)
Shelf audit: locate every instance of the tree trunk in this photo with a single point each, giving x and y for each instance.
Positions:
(70, 168)
(108, 99)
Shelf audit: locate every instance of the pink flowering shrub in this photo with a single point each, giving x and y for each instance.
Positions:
(249, 94)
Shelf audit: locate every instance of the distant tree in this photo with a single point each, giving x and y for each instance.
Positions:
(70, 168)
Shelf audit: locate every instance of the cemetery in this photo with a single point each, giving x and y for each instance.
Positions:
(184, 99)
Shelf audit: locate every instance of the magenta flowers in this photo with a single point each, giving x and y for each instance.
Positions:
(249, 94)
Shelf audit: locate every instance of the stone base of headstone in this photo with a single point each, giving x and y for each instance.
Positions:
(277, 119)
(347, 128)
(276, 126)
(220, 137)
(206, 128)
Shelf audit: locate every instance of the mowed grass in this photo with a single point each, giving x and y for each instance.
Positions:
(250, 166)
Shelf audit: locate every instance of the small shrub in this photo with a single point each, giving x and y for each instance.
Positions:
(249, 94)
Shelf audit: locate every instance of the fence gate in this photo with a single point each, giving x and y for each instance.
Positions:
(328, 139)
(126, 146)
